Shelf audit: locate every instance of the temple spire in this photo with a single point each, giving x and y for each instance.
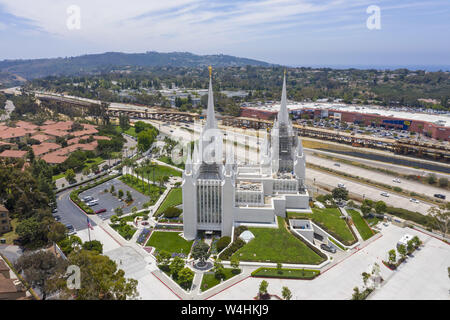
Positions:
(211, 116)
(188, 164)
(283, 115)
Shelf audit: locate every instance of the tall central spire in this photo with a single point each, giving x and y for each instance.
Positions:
(211, 116)
(283, 115)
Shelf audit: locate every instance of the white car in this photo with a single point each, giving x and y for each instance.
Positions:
(397, 180)
(414, 200)
(385, 194)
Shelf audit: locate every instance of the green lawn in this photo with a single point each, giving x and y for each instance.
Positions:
(360, 224)
(131, 131)
(89, 163)
(277, 245)
(286, 273)
(143, 188)
(160, 172)
(171, 242)
(174, 198)
(167, 160)
(59, 176)
(210, 281)
(330, 219)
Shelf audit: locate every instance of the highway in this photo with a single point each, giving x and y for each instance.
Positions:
(250, 156)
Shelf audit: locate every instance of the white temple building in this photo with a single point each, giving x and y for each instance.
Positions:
(218, 195)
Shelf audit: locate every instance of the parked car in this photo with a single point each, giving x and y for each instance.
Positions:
(58, 218)
(440, 196)
(71, 229)
(385, 194)
(88, 199)
(55, 210)
(100, 211)
(328, 248)
(93, 203)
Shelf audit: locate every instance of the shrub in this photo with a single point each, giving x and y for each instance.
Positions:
(223, 243)
(235, 246)
(172, 212)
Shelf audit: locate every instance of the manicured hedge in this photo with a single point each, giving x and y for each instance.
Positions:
(286, 273)
(223, 243)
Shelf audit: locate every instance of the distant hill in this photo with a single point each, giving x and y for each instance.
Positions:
(38, 68)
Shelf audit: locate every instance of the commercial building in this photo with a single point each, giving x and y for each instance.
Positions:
(437, 129)
(219, 196)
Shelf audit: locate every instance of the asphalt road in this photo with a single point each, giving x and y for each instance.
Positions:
(70, 213)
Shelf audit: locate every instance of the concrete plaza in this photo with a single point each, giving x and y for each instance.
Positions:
(423, 276)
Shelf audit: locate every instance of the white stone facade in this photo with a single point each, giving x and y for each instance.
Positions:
(216, 195)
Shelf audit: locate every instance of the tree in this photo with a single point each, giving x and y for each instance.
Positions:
(441, 217)
(357, 295)
(279, 268)
(94, 245)
(410, 246)
(185, 277)
(263, 289)
(41, 269)
(416, 241)
(70, 176)
(286, 293)
(380, 207)
(86, 171)
(163, 258)
(201, 252)
(392, 256)
(129, 197)
(113, 189)
(176, 266)
(120, 194)
(219, 270)
(340, 194)
(431, 179)
(100, 278)
(118, 211)
(443, 182)
(235, 264)
(402, 250)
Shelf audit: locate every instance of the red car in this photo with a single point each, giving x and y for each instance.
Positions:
(100, 211)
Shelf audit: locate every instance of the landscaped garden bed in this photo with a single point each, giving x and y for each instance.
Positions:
(125, 230)
(277, 246)
(210, 280)
(330, 220)
(160, 172)
(305, 274)
(153, 191)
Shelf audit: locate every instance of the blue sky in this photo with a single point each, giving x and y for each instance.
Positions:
(288, 32)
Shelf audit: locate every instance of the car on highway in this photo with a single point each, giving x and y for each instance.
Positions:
(100, 211)
(440, 196)
(337, 164)
(328, 248)
(414, 200)
(385, 194)
(341, 185)
(397, 180)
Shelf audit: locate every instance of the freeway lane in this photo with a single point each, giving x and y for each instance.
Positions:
(70, 213)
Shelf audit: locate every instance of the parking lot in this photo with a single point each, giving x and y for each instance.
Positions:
(109, 202)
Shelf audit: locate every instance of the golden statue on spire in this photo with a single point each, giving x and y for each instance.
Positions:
(210, 71)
